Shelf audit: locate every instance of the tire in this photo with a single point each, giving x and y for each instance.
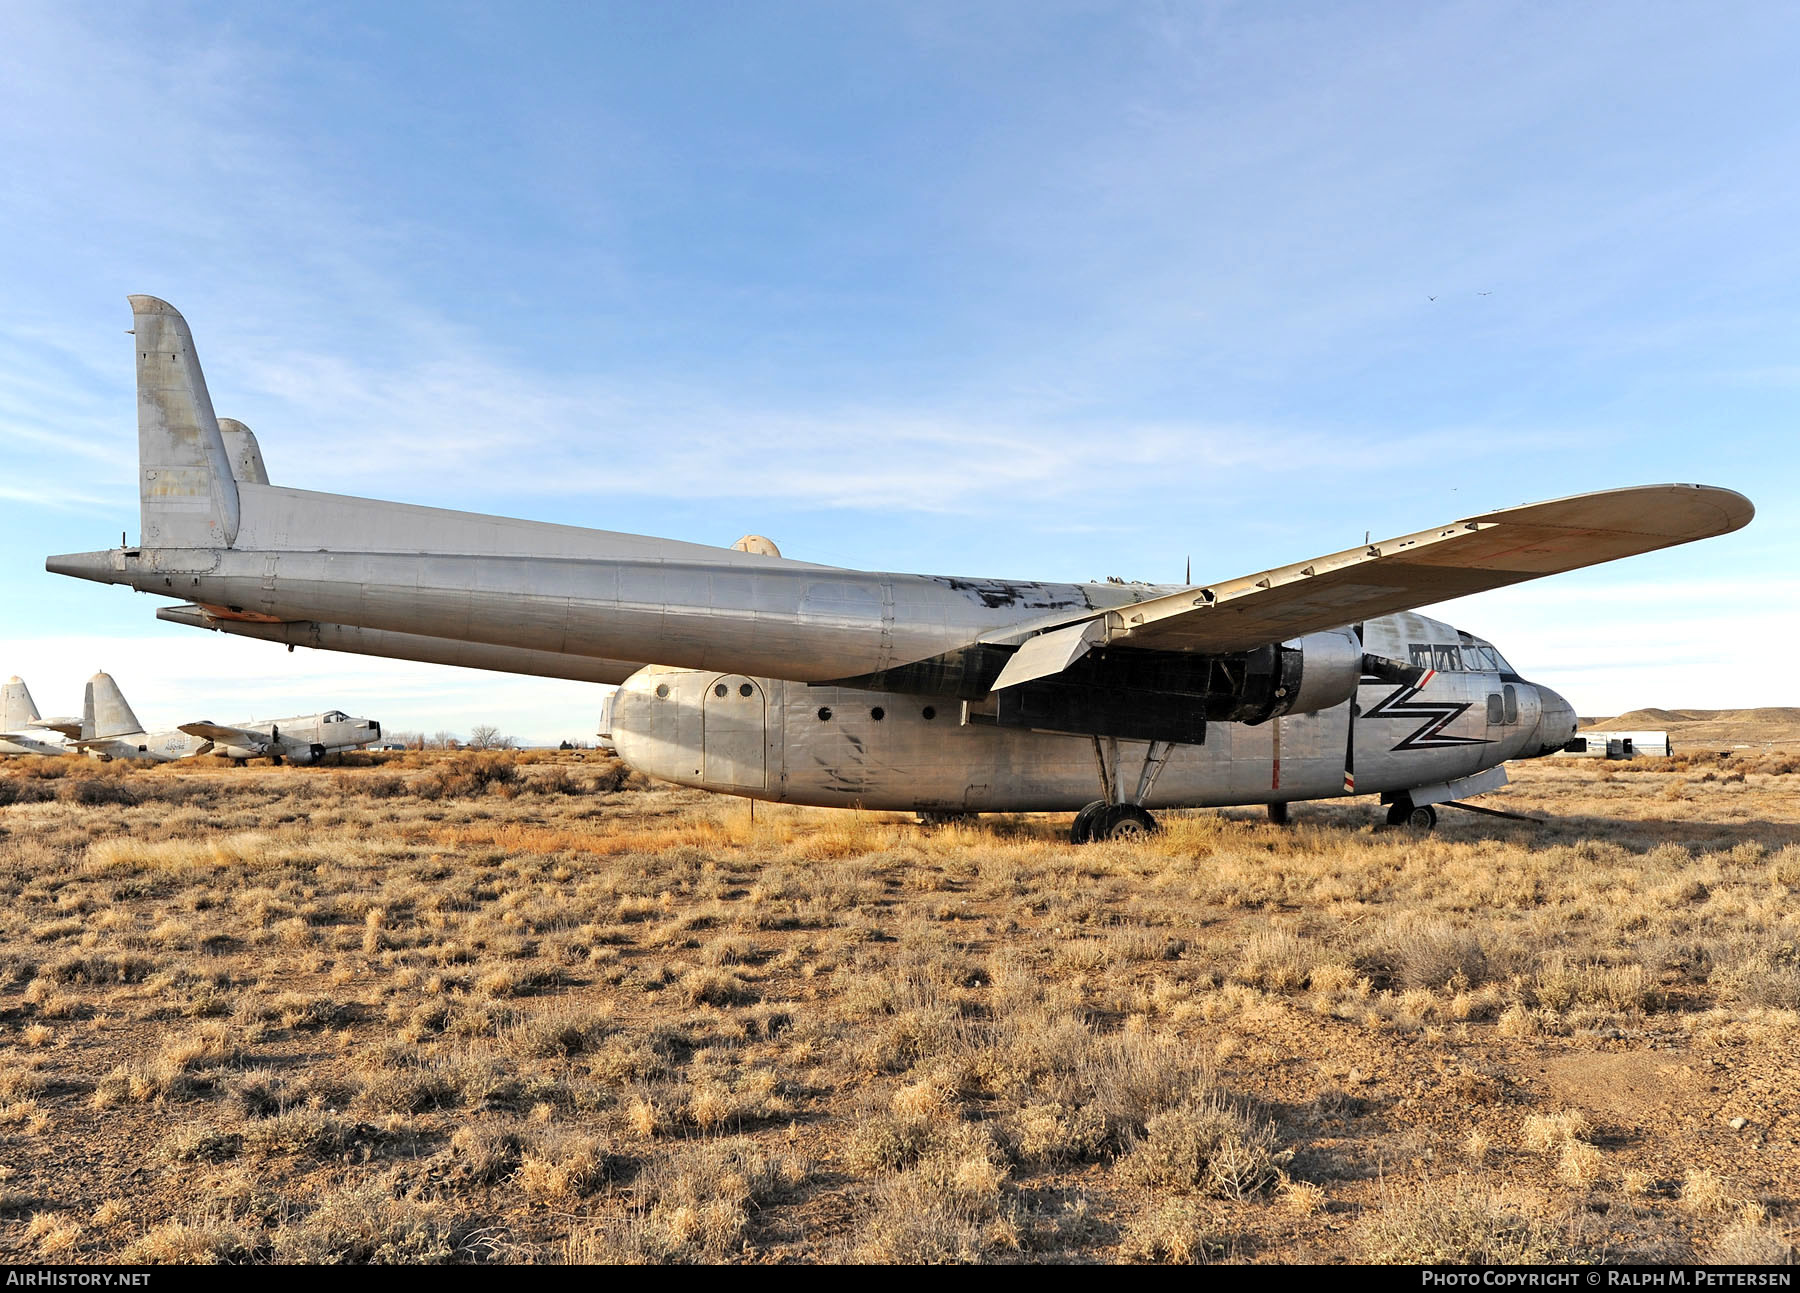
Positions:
(1124, 822)
(1403, 813)
(1081, 830)
(318, 755)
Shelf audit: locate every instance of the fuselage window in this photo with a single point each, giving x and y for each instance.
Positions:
(1512, 704)
(1496, 710)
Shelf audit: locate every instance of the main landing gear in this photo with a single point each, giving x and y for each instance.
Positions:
(1108, 818)
(1103, 821)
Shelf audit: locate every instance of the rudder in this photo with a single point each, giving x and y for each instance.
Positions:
(187, 492)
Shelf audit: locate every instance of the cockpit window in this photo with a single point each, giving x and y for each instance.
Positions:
(336, 716)
(1472, 657)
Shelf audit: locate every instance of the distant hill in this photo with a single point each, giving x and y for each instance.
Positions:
(1721, 728)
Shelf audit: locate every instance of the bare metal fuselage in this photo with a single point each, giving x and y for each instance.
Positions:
(843, 747)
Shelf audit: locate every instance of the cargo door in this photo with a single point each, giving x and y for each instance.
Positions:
(736, 734)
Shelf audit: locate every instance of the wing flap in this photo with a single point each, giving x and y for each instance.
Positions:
(1469, 556)
(1050, 653)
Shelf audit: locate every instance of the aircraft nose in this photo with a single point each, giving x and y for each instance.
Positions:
(1556, 722)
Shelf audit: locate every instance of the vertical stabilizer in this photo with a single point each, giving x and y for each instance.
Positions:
(245, 454)
(104, 712)
(188, 494)
(17, 711)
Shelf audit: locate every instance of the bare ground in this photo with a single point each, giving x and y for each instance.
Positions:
(479, 1009)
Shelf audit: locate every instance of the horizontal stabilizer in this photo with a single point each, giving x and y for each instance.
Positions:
(69, 727)
(404, 646)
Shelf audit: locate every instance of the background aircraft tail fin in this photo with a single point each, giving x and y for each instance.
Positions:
(104, 712)
(187, 491)
(17, 711)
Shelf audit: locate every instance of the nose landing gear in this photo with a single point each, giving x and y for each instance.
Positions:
(1402, 813)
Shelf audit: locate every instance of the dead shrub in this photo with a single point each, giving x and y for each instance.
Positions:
(378, 1223)
(560, 1172)
(1210, 1148)
(1465, 1226)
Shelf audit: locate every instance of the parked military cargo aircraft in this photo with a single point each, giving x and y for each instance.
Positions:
(753, 674)
(109, 730)
(22, 731)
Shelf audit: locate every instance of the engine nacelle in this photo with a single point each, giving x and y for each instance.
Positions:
(1172, 696)
(1330, 667)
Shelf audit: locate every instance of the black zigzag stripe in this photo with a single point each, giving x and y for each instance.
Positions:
(1438, 715)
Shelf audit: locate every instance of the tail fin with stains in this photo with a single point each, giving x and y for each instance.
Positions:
(104, 712)
(186, 489)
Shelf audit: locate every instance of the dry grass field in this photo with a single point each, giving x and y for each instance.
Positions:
(488, 1009)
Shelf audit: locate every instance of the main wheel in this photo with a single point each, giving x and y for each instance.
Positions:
(1081, 830)
(1124, 822)
(1278, 814)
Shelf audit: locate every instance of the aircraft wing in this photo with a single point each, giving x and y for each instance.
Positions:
(69, 727)
(233, 736)
(1472, 555)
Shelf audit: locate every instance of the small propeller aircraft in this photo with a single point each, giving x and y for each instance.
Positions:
(109, 730)
(756, 675)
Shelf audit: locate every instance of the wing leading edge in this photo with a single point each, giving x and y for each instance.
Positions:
(1472, 555)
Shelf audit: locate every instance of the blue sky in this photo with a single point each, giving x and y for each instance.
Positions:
(1048, 290)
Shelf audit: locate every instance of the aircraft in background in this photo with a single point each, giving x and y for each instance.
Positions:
(23, 732)
(110, 730)
(757, 675)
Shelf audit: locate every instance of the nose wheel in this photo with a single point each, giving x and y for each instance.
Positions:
(1403, 813)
